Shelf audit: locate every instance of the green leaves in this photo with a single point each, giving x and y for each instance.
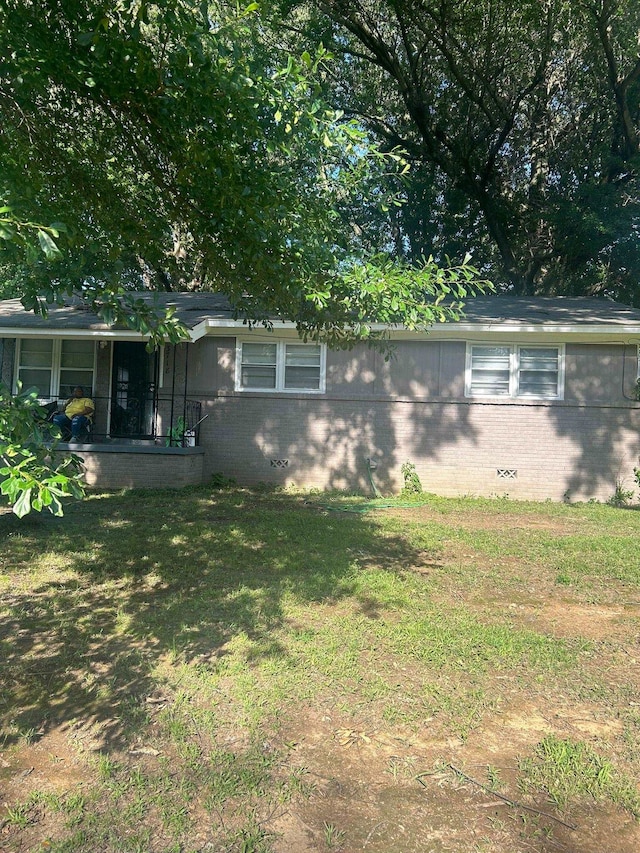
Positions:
(372, 295)
(15, 230)
(51, 251)
(184, 150)
(521, 124)
(29, 478)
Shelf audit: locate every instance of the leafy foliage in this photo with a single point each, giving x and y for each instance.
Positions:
(183, 150)
(23, 233)
(521, 123)
(412, 482)
(29, 478)
(368, 296)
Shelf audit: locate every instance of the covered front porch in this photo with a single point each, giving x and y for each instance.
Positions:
(146, 430)
(141, 397)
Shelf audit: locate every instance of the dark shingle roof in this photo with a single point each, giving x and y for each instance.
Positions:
(547, 310)
(193, 308)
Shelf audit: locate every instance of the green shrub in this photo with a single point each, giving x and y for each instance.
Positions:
(412, 484)
(30, 478)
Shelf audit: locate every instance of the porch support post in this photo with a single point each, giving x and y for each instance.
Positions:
(173, 388)
(186, 378)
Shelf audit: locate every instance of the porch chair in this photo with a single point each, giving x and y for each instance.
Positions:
(85, 433)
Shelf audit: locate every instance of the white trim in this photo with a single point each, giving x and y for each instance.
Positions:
(464, 330)
(479, 332)
(51, 368)
(589, 329)
(280, 367)
(460, 331)
(50, 332)
(110, 389)
(447, 328)
(161, 357)
(514, 370)
(55, 367)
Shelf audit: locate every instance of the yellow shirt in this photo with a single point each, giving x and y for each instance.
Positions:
(77, 405)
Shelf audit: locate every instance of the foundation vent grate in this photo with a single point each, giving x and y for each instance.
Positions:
(279, 463)
(507, 473)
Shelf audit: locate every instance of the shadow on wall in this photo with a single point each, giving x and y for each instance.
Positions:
(330, 445)
(604, 423)
(338, 442)
(607, 442)
(325, 441)
(413, 409)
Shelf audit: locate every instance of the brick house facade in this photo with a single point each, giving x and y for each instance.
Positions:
(531, 398)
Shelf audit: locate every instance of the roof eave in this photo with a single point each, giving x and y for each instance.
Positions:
(211, 326)
(49, 332)
(588, 330)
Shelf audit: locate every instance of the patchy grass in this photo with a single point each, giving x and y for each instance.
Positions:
(568, 770)
(255, 671)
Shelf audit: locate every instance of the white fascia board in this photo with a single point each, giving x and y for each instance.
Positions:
(546, 329)
(218, 326)
(512, 331)
(199, 331)
(460, 331)
(108, 334)
(541, 334)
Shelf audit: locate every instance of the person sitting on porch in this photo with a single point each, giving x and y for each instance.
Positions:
(76, 418)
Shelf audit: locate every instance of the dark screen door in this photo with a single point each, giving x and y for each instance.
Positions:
(133, 393)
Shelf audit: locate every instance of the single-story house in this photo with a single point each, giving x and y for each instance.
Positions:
(530, 397)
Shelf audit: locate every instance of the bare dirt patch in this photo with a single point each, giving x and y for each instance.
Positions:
(50, 765)
(595, 622)
(549, 612)
(483, 520)
(396, 790)
(392, 790)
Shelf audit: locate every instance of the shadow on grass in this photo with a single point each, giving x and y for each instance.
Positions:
(121, 582)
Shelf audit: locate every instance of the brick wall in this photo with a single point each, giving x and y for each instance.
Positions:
(409, 410)
(111, 468)
(545, 451)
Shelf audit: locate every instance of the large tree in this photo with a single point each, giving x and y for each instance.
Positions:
(170, 145)
(179, 149)
(521, 121)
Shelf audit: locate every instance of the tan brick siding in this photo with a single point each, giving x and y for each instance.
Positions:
(556, 450)
(109, 470)
(411, 409)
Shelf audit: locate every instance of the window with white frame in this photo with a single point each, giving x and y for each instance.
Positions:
(55, 367)
(280, 366)
(512, 370)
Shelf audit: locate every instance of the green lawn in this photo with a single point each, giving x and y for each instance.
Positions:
(248, 671)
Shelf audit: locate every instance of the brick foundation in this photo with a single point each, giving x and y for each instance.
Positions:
(544, 451)
(138, 467)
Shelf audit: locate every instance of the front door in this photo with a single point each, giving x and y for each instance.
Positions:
(133, 392)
